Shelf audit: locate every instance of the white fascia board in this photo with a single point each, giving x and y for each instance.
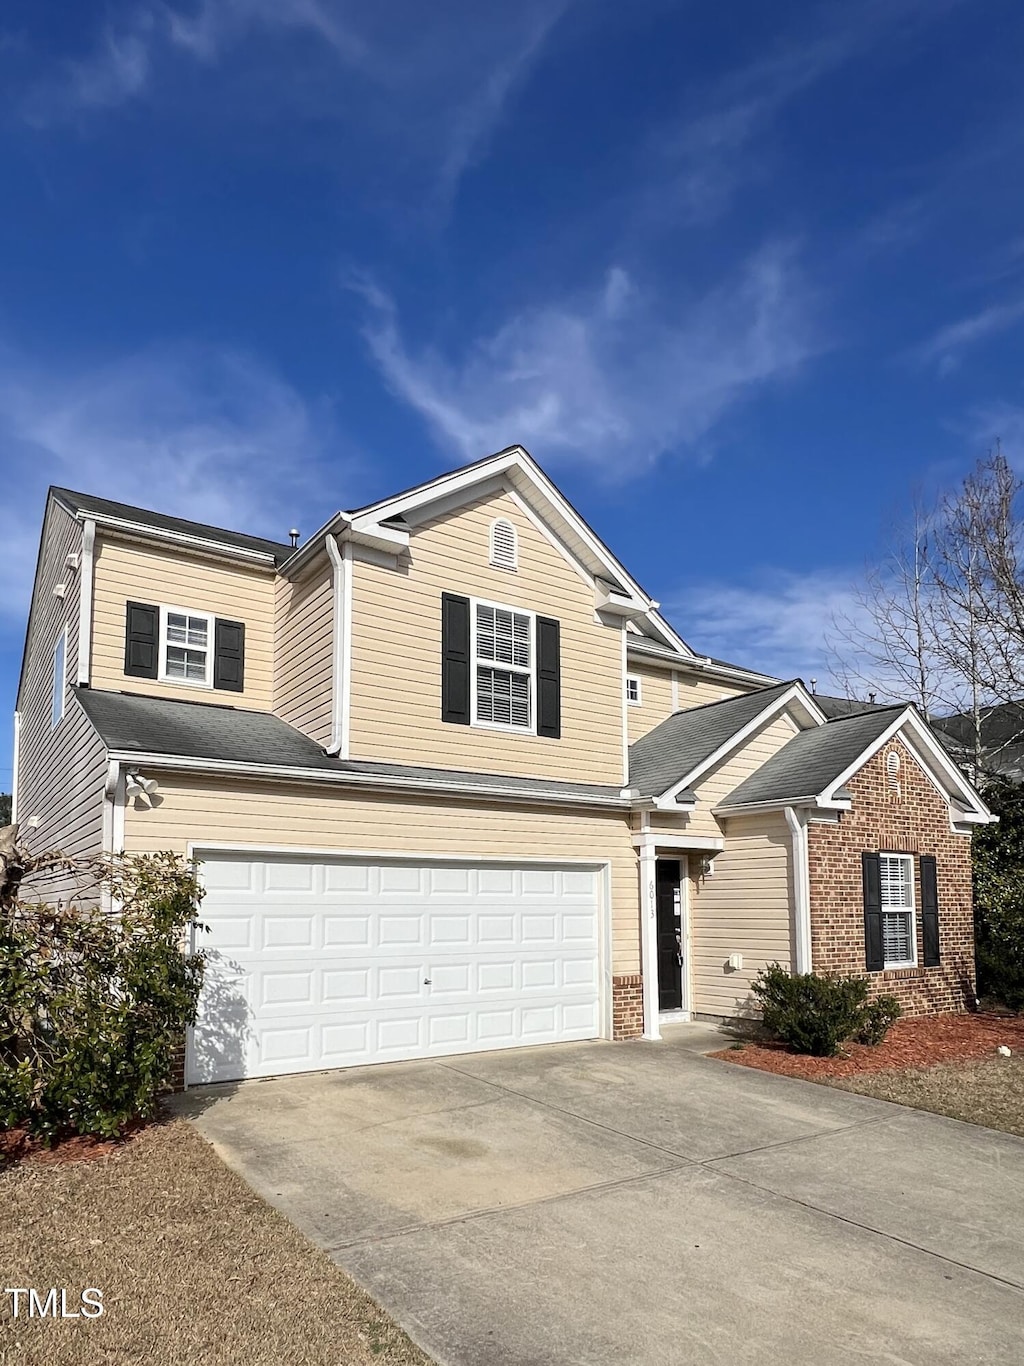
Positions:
(936, 760)
(284, 773)
(140, 531)
(701, 665)
(810, 803)
(335, 524)
(445, 484)
(796, 694)
(660, 839)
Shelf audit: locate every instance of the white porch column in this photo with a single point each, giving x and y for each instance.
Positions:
(649, 934)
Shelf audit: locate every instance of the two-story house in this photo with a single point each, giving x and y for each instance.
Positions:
(456, 784)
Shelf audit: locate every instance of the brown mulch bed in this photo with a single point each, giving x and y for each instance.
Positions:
(195, 1269)
(910, 1044)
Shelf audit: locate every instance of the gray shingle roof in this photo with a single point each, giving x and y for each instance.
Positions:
(644, 645)
(105, 507)
(836, 707)
(131, 724)
(682, 742)
(814, 759)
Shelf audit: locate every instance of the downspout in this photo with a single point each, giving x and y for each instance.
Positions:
(797, 822)
(341, 568)
(85, 591)
(14, 767)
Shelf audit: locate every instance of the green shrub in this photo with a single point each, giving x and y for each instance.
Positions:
(94, 1002)
(812, 1012)
(879, 1017)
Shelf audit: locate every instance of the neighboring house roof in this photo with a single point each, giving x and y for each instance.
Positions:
(687, 739)
(155, 728)
(87, 503)
(813, 760)
(1002, 739)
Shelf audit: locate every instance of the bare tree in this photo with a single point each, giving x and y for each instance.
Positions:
(940, 620)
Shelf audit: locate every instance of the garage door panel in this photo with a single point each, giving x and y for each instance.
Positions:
(334, 963)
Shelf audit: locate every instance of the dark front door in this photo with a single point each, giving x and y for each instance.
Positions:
(670, 935)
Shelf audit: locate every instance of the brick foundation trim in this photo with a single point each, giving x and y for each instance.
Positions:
(628, 1006)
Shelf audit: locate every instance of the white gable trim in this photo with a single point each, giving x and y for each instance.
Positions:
(796, 696)
(934, 761)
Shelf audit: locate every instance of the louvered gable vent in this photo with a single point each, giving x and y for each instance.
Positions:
(504, 546)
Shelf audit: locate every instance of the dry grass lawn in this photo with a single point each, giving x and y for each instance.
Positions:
(988, 1091)
(193, 1266)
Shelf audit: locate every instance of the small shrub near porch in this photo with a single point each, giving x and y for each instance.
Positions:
(817, 1012)
(95, 993)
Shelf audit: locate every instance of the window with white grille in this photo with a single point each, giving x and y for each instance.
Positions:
(899, 942)
(632, 690)
(186, 653)
(504, 545)
(503, 664)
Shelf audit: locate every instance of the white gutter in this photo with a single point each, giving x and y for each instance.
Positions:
(14, 767)
(148, 533)
(85, 590)
(797, 822)
(341, 668)
(287, 773)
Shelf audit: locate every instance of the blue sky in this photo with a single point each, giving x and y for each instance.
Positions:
(740, 276)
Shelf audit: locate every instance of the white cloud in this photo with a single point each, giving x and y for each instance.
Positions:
(209, 435)
(419, 89)
(612, 379)
(777, 625)
(702, 158)
(946, 347)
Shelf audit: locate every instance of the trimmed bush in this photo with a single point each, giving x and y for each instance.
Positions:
(816, 1012)
(94, 1002)
(879, 1017)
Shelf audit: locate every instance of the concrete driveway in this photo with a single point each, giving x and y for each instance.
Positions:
(639, 1203)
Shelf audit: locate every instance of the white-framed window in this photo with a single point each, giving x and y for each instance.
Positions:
(633, 694)
(504, 544)
(60, 678)
(899, 937)
(503, 666)
(186, 646)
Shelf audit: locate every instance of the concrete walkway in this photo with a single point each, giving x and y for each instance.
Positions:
(641, 1205)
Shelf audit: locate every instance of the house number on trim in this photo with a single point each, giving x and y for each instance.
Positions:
(650, 899)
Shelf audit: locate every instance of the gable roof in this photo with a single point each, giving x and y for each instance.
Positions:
(87, 504)
(687, 739)
(813, 760)
(515, 469)
(201, 734)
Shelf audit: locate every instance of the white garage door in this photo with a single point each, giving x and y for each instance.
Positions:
(331, 963)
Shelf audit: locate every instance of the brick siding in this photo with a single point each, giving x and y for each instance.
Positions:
(914, 822)
(627, 1006)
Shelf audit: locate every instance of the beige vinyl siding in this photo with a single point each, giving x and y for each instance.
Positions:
(127, 571)
(716, 785)
(655, 699)
(657, 695)
(304, 645)
(744, 906)
(396, 653)
(314, 817)
(62, 769)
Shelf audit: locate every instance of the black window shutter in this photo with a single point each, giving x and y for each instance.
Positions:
(229, 655)
(930, 911)
(141, 640)
(455, 659)
(874, 951)
(549, 678)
